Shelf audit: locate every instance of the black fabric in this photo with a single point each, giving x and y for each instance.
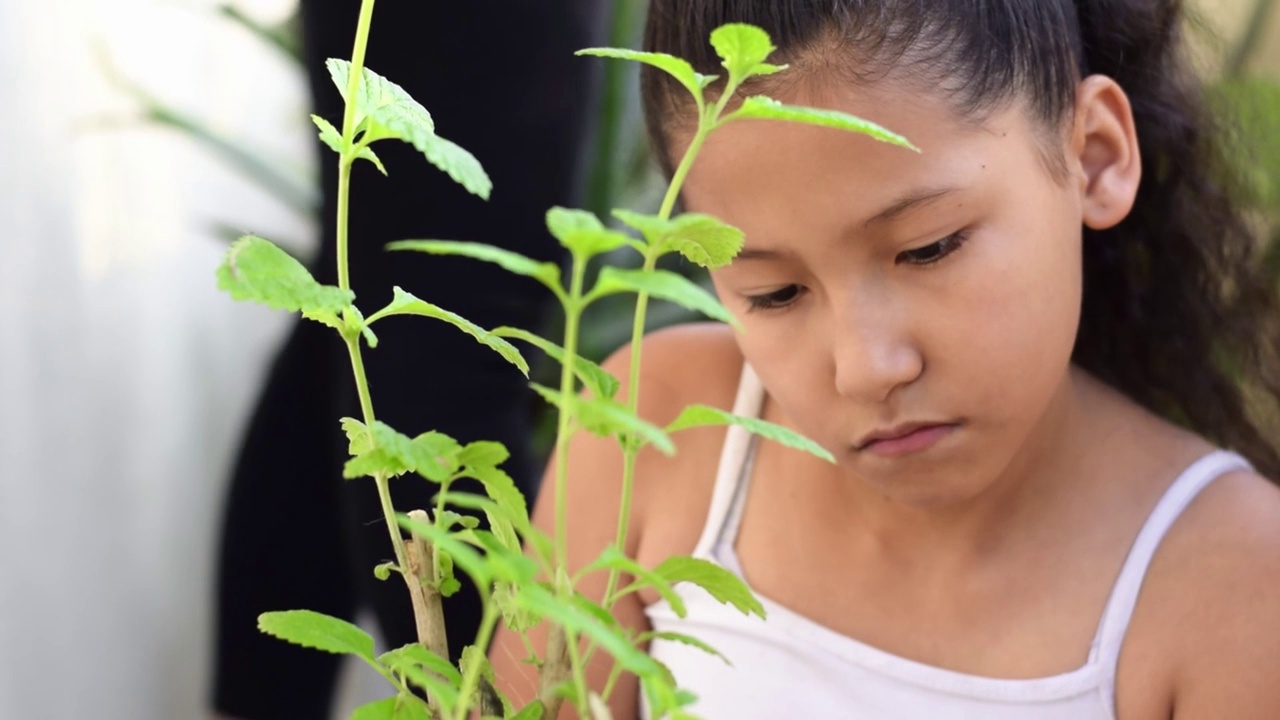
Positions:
(500, 80)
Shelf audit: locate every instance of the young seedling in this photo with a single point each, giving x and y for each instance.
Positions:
(522, 575)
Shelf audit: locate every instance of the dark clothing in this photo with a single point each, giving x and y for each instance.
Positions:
(500, 80)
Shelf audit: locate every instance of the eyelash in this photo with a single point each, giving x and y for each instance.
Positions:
(782, 299)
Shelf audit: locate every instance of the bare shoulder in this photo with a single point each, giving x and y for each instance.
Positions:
(1215, 601)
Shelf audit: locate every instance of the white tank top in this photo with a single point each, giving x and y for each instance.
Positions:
(791, 667)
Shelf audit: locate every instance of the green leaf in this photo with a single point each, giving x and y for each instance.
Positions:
(664, 285)
(414, 654)
(483, 453)
(532, 711)
(544, 272)
(677, 68)
(433, 455)
(542, 602)
(359, 441)
(331, 137)
(404, 303)
(375, 462)
(467, 558)
(582, 232)
(317, 631)
(258, 271)
(719, 582)
(611, 559)
(704, 415)
(377, 710)
(448, 519)
(474, 657)
(515, 514)
(684, 640)
(513, 616)
(742, 48)
(385, 110)
(702, 239)
(596, 378)
(609, 418)
(760, 107)
(382, 571)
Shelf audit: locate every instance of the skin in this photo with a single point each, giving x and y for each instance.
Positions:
(994, 551)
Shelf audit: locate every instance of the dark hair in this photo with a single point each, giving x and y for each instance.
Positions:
(1177, 312)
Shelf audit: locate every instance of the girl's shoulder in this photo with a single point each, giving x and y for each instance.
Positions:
(695, 363)
(1213, 600)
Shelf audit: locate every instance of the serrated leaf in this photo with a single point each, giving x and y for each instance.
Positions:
(612, 559)
(719, 582)
(542, 602)
(404, 303)
(677, 68)
(664, 285)
(513, 616)
(473, 656)
(705, 415)
(582, 233)
(702, 239)
(317, 631)
(377, 710)
(256, 270)
(742, 48)
(609, 418)
(684, 640)
(326, 317)
(432, 455)
(594, 377)
(544, 272)
(331, 137)
(386, 110)
(375, 462)
(358, 439)
(483, 453)
(416, 654)
(760, 107)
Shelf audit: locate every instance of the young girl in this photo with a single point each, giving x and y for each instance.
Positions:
(1023, 345)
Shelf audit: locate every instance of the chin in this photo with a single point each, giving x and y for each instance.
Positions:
(922, 482)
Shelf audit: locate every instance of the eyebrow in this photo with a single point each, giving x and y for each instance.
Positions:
(913, 200)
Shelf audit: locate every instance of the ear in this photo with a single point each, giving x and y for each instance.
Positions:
(1104, 143)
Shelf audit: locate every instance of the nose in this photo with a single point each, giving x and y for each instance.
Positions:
(874, 351)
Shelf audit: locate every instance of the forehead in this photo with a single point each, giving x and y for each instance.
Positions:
(764, 173)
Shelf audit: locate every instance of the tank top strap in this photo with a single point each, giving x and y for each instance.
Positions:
(1124, 596)
(734, 457)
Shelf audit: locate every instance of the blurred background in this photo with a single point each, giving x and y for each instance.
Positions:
(141, 137)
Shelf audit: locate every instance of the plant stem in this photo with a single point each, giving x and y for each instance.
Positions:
(573, 317)
(471, 679)
(348, 136)
(579, 673)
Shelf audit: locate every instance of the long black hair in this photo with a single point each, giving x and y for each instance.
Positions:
(1177, 311)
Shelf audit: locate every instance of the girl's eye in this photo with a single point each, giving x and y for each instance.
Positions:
(930, 254)
(774, 300)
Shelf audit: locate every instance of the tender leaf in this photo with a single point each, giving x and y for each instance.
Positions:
(514, 513)
(704, 415)
(532, 711)
(582, 233)
(702, 239)
(385, 110)
(544, 272)
(433, 455)
(448, 519)
(611, 559)
(609, 418)
(382, 571)
(596, 378)
(741, 48)
(375, 462)
(483, 453)
(258, 271)
(542, 602)
(415, 654)
(677, 68)
(449, 583)
(317, 631)
(377, 710)
(513, 616)
(664, 285)
(404, 303)
(331, 137)
(684, 640)
(359, 440)
(760, 107)
(719, 582)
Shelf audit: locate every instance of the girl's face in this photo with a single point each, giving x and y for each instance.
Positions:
(929, 300)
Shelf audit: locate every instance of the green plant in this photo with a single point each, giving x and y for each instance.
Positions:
(522, 575)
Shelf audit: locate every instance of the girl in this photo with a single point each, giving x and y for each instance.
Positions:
(1024, 347)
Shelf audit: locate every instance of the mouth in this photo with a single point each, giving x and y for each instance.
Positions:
(906, 439)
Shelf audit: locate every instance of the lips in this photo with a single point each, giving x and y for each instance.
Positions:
(906, 439)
